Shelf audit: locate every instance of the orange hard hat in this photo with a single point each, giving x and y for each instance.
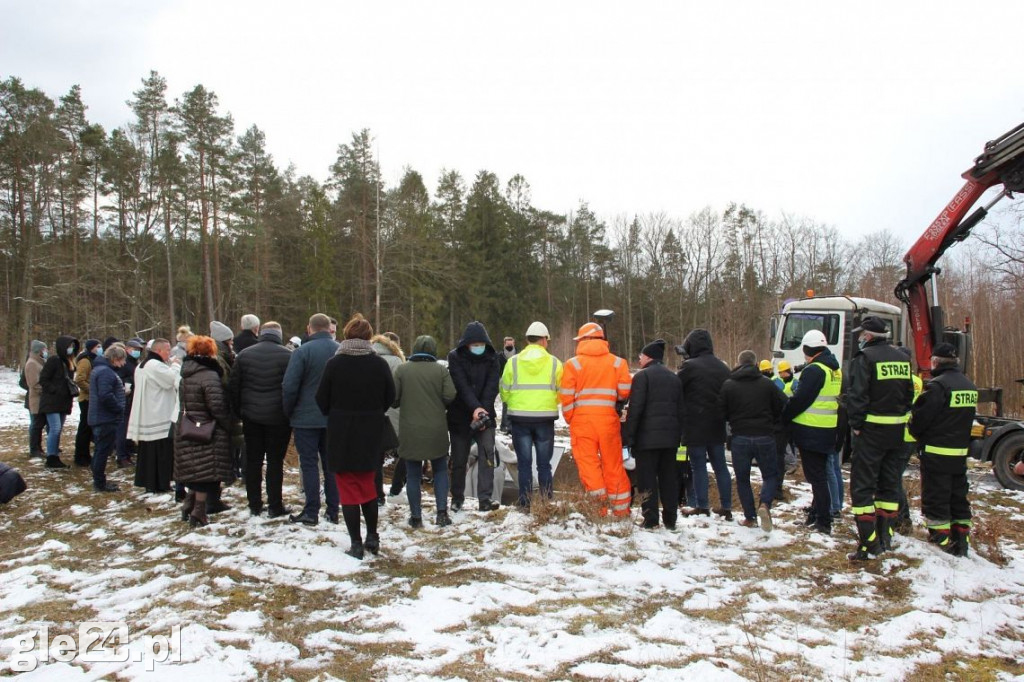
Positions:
(591, 330)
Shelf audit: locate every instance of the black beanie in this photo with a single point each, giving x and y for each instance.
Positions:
(655, 350)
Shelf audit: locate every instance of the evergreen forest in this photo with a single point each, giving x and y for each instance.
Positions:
(176, 217)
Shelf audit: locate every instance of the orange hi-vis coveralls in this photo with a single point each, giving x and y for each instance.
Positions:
(592, 382)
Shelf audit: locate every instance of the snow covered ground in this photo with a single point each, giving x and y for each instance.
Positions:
(504, 596)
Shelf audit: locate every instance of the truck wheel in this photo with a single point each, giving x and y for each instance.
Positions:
(1008, 452)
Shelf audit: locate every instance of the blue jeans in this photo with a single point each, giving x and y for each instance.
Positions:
(105, 437)
(745, 449)
(834, 478)
(414, 474)
(312, 447)
(525, 437)
(54, 422)
(699, 456)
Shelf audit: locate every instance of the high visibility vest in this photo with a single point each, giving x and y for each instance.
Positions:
(530, 389)
(824, 411)
(918, 387)
(787, 387)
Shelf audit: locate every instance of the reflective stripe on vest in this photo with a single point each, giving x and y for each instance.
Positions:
(681, 454)
(918, 387)
(534, 399)
(824, 411)
(948, 452)
(963, 399)
(886, 419)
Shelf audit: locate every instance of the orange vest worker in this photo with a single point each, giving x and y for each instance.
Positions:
(592, 382)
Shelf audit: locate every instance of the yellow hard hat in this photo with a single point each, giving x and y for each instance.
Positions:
(765, 365)
(785, 366)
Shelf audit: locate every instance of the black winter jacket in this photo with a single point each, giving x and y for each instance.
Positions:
(254, 385)
(355, 393)
(203, 397)
(944, 414)
(702, 376)
(751, 402)
(245, 339)
(476, 377)
(11, 483)
(55, 376)
(812, 379)
(655, 409)
(891, 396)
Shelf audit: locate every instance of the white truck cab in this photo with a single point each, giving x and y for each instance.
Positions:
(836, 317)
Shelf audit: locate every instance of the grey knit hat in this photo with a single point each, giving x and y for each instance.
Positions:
(220, 331)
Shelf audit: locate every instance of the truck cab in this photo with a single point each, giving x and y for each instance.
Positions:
(836, 317)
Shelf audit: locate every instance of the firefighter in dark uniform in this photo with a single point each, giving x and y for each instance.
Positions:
(877, 405)
(941, 420)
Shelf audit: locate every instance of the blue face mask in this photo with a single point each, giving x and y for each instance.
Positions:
(71, 350)
(135, 353)
(862, 342)
(45, 355)
(477, 350)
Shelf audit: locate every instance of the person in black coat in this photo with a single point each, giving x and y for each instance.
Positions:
(249, 336)
(702, 376)
(752, 405)
(254, 388)
(56, 380)
(475, 370)
(11, 483)
(652, 433)
(355, 392)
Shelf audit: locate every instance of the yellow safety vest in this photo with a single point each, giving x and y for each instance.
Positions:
(824, 411)
(529, 384)
(918, 387)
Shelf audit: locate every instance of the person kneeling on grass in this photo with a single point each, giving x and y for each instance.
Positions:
(753, 406)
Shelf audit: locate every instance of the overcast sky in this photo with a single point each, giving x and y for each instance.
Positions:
(859, 115)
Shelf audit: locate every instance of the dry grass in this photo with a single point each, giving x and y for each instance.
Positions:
(819, 576)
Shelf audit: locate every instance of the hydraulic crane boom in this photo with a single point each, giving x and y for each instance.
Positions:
(1001, 163)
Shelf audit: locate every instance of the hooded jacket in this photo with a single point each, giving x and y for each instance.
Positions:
(423, 388)
(255, 382)
(593, 381)
(393, 355)
(812, 379)
(476, 377)
(54, 379)
(751, 402)
(702, 376)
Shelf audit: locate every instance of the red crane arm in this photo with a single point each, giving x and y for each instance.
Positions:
(1002, 162)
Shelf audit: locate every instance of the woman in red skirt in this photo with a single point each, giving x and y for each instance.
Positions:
(355, 393)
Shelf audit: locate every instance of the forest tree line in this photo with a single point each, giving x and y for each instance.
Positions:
(177, 218)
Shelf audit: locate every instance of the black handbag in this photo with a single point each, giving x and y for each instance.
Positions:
(195, 430)
(72, 387)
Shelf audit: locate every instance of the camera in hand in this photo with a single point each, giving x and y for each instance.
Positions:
(483, 423)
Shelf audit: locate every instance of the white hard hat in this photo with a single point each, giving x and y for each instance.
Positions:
(814, 339)
(538, 329)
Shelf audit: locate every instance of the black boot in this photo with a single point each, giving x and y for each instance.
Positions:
(187, 505)
(372, 544)
(884, 521)
(442, 519)
(961, 539)
(868, 547)
(350, 512)
(54, 462)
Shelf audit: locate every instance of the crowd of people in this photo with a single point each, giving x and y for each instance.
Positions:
(199, 413)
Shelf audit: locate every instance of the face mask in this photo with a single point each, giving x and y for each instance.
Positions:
(510, 348)
(71, 350)
(477, 350)
(862, 342)
(97, 350)
(135, 353)
(45, 355)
